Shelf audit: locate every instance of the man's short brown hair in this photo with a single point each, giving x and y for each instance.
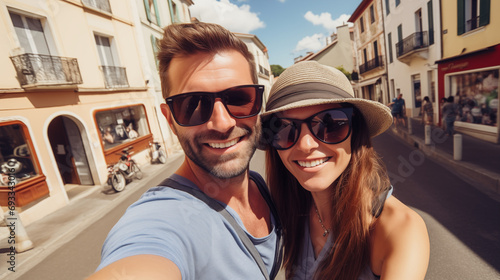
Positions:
(191, 38)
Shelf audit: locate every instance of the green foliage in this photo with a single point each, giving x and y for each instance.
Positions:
(346, 73)
(277, 69)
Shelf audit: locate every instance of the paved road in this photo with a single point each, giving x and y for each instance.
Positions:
(463, 224)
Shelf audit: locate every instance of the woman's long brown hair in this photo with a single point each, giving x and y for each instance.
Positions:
(353, 196)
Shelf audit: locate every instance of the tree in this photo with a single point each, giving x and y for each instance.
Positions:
(346, 73)
(277, 69)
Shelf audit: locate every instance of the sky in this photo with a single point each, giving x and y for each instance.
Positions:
(288, 28)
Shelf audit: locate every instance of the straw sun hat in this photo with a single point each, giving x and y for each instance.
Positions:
(309, 83)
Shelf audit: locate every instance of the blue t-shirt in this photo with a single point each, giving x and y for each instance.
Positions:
(397, 107)
(175, 225)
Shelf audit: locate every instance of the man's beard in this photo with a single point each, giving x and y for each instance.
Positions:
(228, 165)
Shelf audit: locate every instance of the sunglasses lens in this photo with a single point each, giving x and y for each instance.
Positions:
(286, 134)
(243, 101)
(331, 126)
(192, 109)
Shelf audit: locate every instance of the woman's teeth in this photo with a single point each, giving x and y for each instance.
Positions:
(312, 163)
(223, 145)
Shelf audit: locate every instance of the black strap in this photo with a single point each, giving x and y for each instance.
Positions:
(243, 236)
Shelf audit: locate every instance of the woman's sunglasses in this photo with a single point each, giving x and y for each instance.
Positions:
(195, 108)
(331, 126)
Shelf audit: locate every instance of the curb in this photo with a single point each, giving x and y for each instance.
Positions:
(61, 237)
(484, 180)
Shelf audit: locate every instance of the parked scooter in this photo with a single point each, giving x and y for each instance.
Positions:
(157, 153)
(123, 171)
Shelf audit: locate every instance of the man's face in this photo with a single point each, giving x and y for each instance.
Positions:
(223, 145)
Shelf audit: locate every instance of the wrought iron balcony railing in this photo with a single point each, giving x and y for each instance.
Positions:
(263, 71)
(371, 64)
(115, 77)
(472, 24)
(39, 69)
(102, 5)
(415, 41)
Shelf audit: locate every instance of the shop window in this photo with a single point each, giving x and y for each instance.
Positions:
(121, 125)
(477, 96)
(18, 165)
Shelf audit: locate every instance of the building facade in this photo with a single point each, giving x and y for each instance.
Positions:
(469, 69)
(73, 94)
(413, 46)
(370, 51)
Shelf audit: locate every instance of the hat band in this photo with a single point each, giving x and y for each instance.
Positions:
(296, 93)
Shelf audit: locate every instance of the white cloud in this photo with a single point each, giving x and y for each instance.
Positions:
(311, 43)
(325, 20)
(233, 17)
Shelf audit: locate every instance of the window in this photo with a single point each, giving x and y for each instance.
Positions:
(430, 18)
(476, 94)
(398, 2)
(372, 14)
(387, 8)
(389, 40)
(121, 125)
(154, 45)
(29, 31)
(104, 49)
(472, 14)
(102, 5)
(361, 24)
(15, 153)
(152, 11)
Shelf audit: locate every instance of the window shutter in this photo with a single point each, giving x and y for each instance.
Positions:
(460, 17)
(148, 13)
(430, 15)
(484, 12)
(156, 12)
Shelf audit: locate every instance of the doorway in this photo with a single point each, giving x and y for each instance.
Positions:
(69, 152)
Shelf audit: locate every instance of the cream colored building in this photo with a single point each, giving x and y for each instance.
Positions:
(470, 67)
(75, 91)
(370, 51)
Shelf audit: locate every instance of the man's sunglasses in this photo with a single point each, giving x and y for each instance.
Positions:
(331, 126)
(195, 108)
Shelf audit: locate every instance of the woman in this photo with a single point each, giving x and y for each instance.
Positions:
(331, 189)
(428, 111)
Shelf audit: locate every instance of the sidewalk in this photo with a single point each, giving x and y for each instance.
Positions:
(480, 164)
(60, 227)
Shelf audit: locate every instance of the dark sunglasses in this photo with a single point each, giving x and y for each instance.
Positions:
(195, 108)
(330, 126)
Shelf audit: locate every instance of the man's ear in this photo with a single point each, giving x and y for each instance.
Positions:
(165, 110)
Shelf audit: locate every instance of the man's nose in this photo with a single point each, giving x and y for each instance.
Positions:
(220, 120)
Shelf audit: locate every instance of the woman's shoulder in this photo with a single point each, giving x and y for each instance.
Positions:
(398, 239)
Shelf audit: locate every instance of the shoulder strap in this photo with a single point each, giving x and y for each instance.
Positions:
(218, 207)
(278, 255)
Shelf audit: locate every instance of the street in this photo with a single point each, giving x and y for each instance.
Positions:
(463, 223)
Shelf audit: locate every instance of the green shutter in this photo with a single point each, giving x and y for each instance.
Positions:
(460, 17)
(155, 49)
(157, 14)
(148, 13)
(430, 16)
(484, 12)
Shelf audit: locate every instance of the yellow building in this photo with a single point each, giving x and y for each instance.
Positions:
(73, 94)
(469, 70)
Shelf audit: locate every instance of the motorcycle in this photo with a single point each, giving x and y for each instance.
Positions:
(157, 153)
(124, 170)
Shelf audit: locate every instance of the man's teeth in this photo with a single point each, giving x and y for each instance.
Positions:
(223, 145)
(312, 163)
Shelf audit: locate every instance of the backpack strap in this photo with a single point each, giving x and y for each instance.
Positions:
(212, 203)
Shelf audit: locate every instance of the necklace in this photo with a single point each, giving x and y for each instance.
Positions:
(326, 231)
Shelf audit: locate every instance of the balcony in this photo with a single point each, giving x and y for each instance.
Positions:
(263, 71)
(115, 77)
(377, 62)
(472, 24)
(415, 44)
(102, 5)
(46, 70)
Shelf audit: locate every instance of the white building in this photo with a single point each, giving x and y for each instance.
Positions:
(413, 43)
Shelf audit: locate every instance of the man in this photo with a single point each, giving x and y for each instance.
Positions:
(398, 109)
(208, 77)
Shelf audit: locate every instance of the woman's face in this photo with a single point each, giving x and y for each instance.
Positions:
(315, 164)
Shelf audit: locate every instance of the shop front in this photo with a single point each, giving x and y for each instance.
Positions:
(473, 81)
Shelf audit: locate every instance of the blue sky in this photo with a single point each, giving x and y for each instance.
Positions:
(288, 28)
